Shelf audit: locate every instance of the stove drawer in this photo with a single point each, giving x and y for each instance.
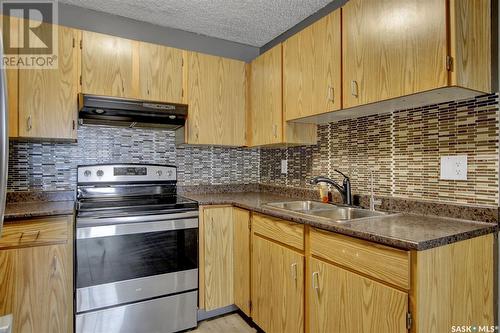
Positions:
(160, 315)
(34, 232)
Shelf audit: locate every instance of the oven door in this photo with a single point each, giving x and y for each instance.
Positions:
(133, 260)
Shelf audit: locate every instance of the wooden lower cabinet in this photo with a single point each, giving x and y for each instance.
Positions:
(277, 287)
(241, 259)
(36, 286)
(341, 301)
(216, 258)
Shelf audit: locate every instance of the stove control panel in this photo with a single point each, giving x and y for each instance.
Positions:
(111, 173)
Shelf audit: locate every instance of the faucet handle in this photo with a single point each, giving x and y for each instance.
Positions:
(346, 177)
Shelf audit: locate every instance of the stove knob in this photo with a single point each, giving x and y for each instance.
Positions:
(87, 173)
(159, 173)
(169, 173)
(100, 173)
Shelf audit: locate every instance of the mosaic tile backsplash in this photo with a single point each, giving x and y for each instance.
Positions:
(402, 151)
(52, 166)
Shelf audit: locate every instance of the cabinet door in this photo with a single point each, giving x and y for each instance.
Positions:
(241, 261)
(216, 98)
(109, 65)
(160, 73)
(37, 289)
(311, 69)
(266, 119)
(277, 287)
(392, 48)
(218, 257)
(48, 97)
(344, 302)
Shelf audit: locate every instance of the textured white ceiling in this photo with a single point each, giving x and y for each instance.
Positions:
(252, 22)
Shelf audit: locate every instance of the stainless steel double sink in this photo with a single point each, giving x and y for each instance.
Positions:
(330, 212)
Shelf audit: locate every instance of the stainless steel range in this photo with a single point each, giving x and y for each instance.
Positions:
(136, 253)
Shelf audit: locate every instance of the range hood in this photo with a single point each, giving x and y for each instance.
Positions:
(124, 112)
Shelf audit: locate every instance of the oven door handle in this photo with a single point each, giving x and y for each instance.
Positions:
(135, 228)
(98, 221)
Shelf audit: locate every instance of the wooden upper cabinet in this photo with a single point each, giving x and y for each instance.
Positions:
(48, 97)
(160, 73)
(342, 301)
(470, 40)
(392, 48)
(109, 65)
(311, 69)
(266, 122)
(216, 98)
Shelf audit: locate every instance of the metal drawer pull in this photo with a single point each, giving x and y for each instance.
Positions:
(275, 130)
(354, 88)
(36, 234)
(54, 266)
(293, 269)
(315, 281)
(331, 94)
(29, 123)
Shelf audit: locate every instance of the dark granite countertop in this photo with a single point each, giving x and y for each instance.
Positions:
(25, 205)
(403, 230)
(24, 210)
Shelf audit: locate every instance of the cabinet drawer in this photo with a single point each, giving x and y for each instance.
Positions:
(378, 261)
(288, 233)
(51, 230)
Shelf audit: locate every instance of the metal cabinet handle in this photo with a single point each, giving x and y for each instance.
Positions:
(315, 281)
(354, 88)
(54, 265)
(293, 270)
(331, 94)
(29, 123)
(275, 130)
(123, 86)
(33, 234)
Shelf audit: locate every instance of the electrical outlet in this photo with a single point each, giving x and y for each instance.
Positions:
(454, 167)
(284, 167)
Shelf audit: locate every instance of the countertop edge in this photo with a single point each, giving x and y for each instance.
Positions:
(384, 240)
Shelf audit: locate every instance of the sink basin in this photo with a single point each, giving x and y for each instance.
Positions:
(300, 205)
(325, 211)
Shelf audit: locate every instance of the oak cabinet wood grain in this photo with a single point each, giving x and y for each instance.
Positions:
(160, 73)
(216, 91)
(470, 44)
(453, 285)
(312, 69)
(217, 257)
(267, 126)
(266, 118)
(277, 287)
(380, 262)
(109, 65)
(48, 97)
(12, 76)
(342, 301)
(241, 259)
(37, 285)
(392, 49)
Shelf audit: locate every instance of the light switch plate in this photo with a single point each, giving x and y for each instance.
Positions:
(284, 167)
(454, 167)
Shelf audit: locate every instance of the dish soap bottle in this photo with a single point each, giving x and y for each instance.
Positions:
(323, 192)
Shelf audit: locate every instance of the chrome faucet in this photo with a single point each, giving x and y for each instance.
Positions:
(344, 189)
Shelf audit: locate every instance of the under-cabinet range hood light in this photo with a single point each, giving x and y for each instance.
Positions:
(124, 112)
